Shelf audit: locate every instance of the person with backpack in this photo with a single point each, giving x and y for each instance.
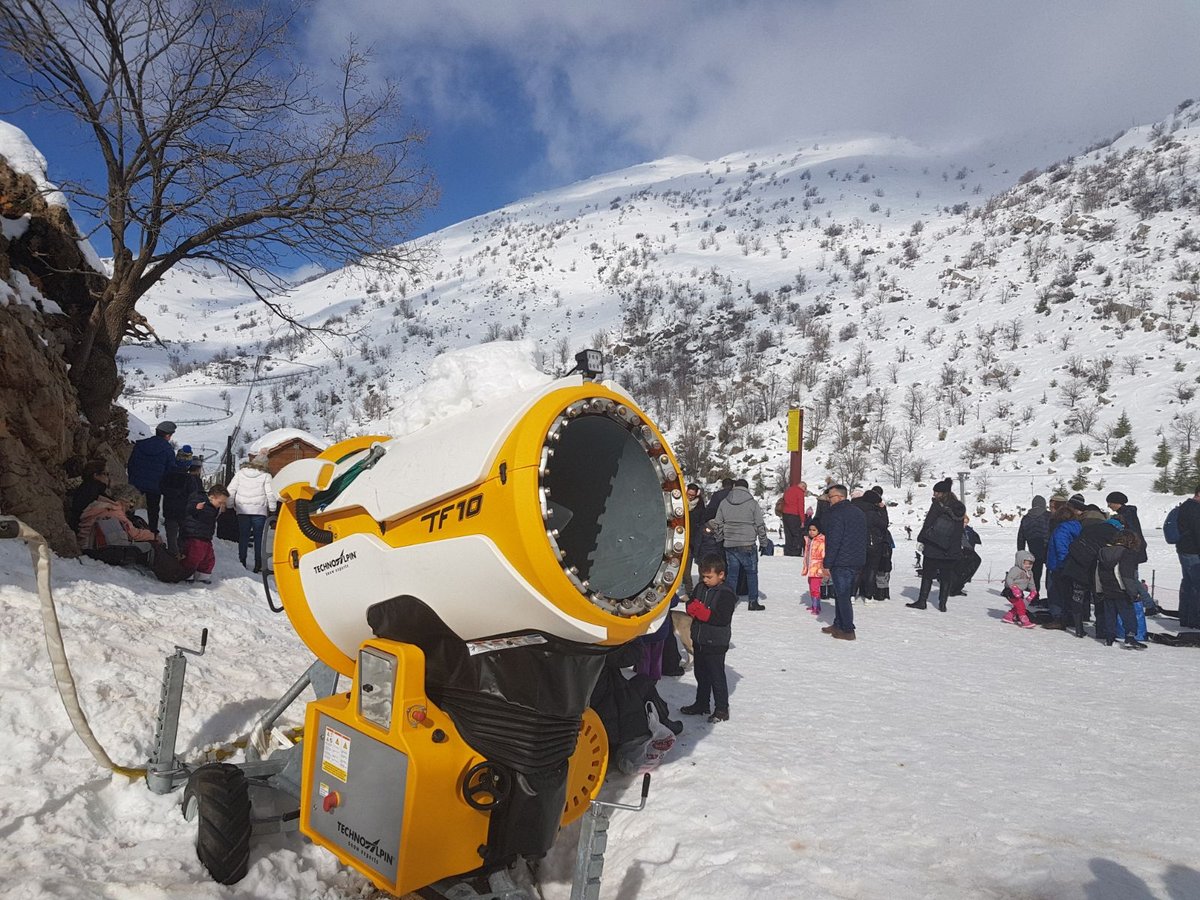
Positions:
(1083, 555)
(1117, 584)
(941, 539)
(1185, 529)
(1034, 535)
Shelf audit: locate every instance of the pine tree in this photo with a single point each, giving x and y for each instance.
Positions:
(1183, 476)
(1123, 428)
(1126, 454)
(1162, 456)
(1080, 481)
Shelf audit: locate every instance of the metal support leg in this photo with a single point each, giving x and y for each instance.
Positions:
(165, 771)
(593, 840)
(589, 858)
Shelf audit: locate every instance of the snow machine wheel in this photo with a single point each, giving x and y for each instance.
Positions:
(219, 797)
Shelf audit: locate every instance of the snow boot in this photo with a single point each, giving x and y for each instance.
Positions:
(719, 715)
(917, 604)
(1025, 623)
(694, 710)
(828, 629)
(1009, 618)
(1132, 643)
(840, 635)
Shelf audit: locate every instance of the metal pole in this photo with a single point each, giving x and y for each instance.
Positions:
(962, 486)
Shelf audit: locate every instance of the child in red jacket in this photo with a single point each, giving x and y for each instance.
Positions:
(711, 610)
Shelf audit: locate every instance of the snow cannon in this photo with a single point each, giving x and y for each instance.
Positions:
(470, 578)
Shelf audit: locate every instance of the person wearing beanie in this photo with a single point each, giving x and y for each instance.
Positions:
(877, 539)
(151, 459)
(1078, 504)
(1033, 535)
(941, 541)
(1128, 516)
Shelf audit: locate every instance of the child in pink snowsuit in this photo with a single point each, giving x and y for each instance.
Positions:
(814, 561)
(1019, 588)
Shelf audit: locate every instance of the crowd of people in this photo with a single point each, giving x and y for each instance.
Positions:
(1086, 556)
(168, 484)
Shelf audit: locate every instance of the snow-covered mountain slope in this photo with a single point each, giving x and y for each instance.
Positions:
(933, 314)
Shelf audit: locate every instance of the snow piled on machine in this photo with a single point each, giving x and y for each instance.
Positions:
(941, 756)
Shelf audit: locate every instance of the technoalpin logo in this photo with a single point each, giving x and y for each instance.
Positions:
(337, 562)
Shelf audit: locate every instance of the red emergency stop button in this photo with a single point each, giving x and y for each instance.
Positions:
(418, 715)
(331, 801)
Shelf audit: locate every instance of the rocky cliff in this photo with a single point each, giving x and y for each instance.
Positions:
(47, 290)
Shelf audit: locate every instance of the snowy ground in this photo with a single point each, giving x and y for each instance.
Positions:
(939, 756)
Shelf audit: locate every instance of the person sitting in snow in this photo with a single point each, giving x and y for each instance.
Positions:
(711, 610)
(1019, 589)
(199, 526)
(107, 533)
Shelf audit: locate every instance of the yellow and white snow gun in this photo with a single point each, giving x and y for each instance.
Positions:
(470, 578)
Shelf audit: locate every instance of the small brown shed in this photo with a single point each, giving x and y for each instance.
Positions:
(286, 445)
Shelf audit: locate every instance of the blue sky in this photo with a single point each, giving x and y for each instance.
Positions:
(522, 95)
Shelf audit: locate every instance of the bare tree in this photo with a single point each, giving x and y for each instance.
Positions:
(917, 403)
(1186, 426)
(216, 145)
(1072, 390)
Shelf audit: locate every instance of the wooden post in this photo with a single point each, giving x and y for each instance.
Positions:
(795, 445)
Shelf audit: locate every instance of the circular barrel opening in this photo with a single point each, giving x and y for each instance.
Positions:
(605, 499)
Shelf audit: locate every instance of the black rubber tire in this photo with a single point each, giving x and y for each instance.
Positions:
(222, 798)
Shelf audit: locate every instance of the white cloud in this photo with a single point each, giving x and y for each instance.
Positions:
(621, 78)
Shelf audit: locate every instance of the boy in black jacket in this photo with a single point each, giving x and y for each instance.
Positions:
(199, 526)
(711, 610)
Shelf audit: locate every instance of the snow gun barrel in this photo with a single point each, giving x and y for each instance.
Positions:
(558, 510)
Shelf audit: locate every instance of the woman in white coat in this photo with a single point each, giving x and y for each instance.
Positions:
(253, 499)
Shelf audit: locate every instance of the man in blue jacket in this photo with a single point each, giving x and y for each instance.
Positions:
(150, 460)
(845, 529)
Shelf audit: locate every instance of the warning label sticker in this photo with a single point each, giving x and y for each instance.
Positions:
(336, 758)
